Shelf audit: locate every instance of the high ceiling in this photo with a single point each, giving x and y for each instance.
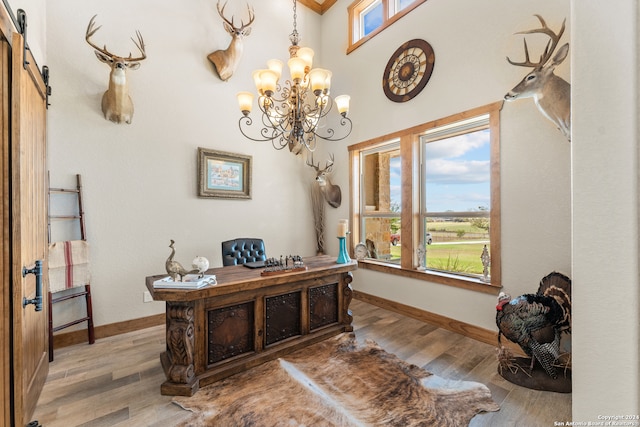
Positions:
(319, 6)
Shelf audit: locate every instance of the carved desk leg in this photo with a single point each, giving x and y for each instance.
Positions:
(347, 294)
(177, 361)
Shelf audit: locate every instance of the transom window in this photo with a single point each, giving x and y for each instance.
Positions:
(427, 200)
(369, 17)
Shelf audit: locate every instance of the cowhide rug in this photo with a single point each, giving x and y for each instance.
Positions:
(336, 382)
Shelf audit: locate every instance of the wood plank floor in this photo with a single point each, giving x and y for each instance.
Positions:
(116, 381)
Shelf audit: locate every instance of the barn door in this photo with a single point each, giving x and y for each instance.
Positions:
(30, 362)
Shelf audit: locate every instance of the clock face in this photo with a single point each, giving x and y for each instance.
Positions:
(361, 251)
(408, 70)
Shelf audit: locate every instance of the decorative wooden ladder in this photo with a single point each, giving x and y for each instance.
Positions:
(86, 288)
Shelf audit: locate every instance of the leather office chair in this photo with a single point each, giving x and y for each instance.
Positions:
(243, 250)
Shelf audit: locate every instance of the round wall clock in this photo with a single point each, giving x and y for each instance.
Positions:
(408, 70)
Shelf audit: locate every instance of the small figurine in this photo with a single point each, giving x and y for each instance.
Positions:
(422, 251)
(284, 264)
(486, 262)
(174, 268)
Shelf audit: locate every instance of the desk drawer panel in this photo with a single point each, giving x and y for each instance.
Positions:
(323, 305)
(282, 317)
(230, 331)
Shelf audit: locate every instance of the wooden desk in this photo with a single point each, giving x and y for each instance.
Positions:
(247, 319)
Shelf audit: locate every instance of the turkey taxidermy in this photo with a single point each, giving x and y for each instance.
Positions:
(536, 321)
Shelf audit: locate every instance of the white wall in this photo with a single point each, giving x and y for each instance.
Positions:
(470, 71)
(140, 179)
(605, 203)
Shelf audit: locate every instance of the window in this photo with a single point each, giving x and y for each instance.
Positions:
(456, 196)
(427, 200)
(369, 17)
(381, 201)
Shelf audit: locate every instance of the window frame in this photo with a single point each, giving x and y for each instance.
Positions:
(410, 146)
(386, 147)
(389, 16)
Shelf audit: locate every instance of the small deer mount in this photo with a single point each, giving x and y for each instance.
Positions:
(551, 94)
(332, 193)
(226, 61)
(117, 105)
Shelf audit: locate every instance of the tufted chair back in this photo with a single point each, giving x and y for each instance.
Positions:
(242, 250)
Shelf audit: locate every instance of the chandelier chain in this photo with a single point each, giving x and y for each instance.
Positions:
(293, 37)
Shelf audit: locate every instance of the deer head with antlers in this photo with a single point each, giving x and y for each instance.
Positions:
(332, 193)
(117, 105)
(226, 61)
(551, 94)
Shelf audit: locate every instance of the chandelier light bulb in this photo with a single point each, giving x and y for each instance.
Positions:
(306, 54)
(269, 81)
(327, 84)
(342, 102)
(257, 81)
(245, 101)
(296, 68)
(275, 65)
(317, 80)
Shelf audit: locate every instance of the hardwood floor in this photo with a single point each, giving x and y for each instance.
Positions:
(116, 381)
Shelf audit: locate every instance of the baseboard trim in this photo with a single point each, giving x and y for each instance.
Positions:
(104, 331)
(479, 334)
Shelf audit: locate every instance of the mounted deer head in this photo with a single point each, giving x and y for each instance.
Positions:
(551, 93)
(332, 193)
(117, 105)
(227, 60)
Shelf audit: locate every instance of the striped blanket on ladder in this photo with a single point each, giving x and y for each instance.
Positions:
(68, 265)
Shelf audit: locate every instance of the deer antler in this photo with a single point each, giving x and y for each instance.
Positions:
(140, 45)
(317, 168)
(548, 51)
(91, 31)
(328, 167)
(252, 16)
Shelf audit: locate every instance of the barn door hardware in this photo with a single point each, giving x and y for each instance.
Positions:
(45, 78)
(22, 27)
(37, 271)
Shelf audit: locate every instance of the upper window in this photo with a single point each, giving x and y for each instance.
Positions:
(368, 17)
(427, 199)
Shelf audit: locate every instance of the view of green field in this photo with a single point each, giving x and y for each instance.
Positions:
(457, 246)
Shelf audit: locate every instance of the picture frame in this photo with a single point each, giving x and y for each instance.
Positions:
(223, 175)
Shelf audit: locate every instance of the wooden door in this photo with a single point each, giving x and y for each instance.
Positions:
(29, 358)
(5, 231)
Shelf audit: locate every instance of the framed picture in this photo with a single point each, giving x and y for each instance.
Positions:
(223, 175)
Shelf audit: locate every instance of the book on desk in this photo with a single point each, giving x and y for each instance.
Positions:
(189, 281)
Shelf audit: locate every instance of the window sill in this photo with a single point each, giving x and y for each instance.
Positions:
(469, 283)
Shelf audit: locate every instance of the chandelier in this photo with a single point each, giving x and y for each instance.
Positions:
(293, 114)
